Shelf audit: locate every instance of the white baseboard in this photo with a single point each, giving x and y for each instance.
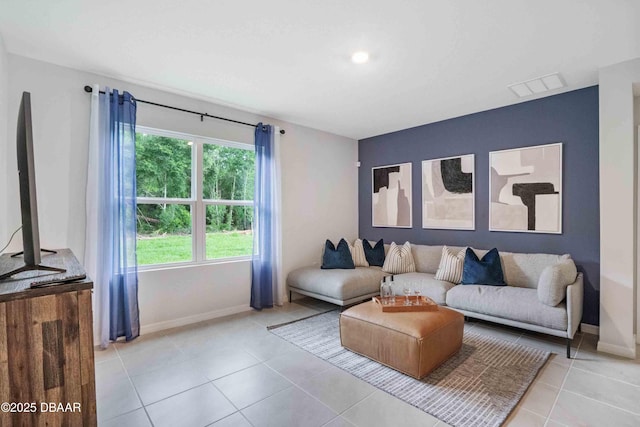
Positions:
(590, 329)
(618, 350)
(174, 323)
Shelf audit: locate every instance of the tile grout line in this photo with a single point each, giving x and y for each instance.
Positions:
(555, 402)
(303, 390)
(189, 389)
(607, 377)
(362, 400)
(228, 400)
(230, 415)
(291, 384)
(143, 406)
(518, 406)
(532, 412)
(636, 414)
(523, 334)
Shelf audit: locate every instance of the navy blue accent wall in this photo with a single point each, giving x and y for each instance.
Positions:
(571, 118)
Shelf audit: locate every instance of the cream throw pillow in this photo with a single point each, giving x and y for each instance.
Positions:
(399, 259)
(357, 253)
(450, 268)
(552, 286)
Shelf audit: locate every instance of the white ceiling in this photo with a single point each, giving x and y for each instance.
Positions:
(290, 59)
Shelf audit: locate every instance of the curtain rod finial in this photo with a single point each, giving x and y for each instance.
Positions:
(88, 89)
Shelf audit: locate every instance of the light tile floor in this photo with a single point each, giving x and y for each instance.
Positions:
(232, 372)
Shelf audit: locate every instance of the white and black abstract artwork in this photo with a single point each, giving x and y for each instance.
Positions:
(448, 194)
(526, 189)
(391, 196)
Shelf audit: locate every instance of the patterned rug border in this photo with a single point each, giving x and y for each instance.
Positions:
(468, 336)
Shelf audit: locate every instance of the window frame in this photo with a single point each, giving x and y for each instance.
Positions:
(197, 202)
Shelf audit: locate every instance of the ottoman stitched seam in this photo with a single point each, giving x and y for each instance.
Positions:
(400, 332)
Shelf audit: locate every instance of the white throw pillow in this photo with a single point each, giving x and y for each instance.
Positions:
(399, 259)
(357, 253)
(450, 268)
(553, 282)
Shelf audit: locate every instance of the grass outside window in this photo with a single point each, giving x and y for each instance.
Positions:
(154, 250)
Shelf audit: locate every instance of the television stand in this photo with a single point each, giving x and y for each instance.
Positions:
(25, 267)
(31, 268)
(47, 348)
(49, 251)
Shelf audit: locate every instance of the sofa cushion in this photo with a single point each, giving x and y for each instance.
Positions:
(552, 286)
(485, 271)
(338, 284)
(427, 258)
(399, 259)
(357, 253)
(375, 254)
(524, 270)
(428, 285)
(451, 264)
(337, 257)
(508, 302)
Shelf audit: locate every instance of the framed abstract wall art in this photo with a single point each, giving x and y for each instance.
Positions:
(448, 193)
(525, 189)
(391, 196)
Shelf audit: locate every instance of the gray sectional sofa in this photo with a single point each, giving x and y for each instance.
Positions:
(518, 304)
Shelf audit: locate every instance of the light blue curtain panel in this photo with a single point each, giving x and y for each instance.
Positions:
(262, 266)
(117, 202)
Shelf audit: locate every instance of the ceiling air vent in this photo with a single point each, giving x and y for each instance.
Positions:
(538, 85)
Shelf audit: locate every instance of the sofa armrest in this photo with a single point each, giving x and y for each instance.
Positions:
(575, 295)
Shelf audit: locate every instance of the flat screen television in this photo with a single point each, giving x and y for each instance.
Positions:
(28, 202)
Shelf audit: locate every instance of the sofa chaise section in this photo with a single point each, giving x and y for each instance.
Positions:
(341, 287)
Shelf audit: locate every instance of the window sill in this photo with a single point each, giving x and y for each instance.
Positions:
(184, 265)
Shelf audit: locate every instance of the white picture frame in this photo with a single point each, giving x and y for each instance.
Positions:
(391, 196)
(448, 193)
(525, 189)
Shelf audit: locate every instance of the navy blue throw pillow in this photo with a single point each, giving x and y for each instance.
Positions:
(339, 257)
(485, 271)
(374, 255)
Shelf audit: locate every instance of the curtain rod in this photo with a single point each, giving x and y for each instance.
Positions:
(89, 89)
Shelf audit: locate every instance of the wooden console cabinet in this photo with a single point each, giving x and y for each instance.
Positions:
(46, 355)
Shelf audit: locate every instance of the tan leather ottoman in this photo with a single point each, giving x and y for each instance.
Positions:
(414, 343)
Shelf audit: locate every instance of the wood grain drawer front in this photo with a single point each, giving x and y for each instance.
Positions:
(46, 357)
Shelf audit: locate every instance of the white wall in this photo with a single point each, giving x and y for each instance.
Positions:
(618, 204)
(319, 194)
(319, 202)
(4, 141)
(636, 124)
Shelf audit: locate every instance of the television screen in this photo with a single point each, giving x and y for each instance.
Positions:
(28, 203)
(26, 177)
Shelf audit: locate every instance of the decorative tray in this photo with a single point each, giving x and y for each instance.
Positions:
(420, 303)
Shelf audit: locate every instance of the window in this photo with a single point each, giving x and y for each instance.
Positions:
(195, 198)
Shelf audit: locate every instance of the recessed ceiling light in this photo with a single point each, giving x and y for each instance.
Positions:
(360, 57)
